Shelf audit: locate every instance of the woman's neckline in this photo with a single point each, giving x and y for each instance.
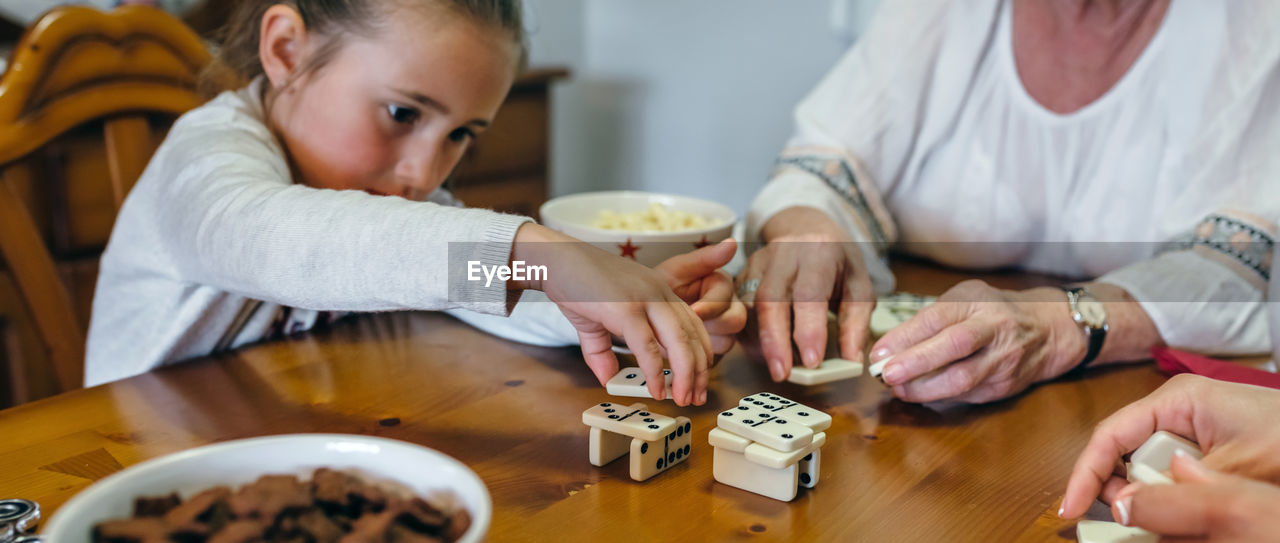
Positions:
(1117, 89)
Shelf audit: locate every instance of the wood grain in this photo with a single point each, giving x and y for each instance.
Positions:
(890, 471)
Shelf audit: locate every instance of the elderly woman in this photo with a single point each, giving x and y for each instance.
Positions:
(1131, 143)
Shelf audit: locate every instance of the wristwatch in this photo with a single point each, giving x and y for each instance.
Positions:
(1091, 315)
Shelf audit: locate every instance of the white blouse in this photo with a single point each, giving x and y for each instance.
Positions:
(923, 137)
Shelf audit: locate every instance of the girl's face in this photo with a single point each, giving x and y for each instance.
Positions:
(393, 114)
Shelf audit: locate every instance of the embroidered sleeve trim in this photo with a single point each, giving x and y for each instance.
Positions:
(838, 175)
(1244, 243)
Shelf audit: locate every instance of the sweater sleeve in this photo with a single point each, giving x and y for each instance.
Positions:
(1207, 290)
(534, 320)
(233, 219)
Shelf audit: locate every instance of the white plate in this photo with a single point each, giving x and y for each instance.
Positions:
(426, 472)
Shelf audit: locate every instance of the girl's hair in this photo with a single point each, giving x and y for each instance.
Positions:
(237, 61)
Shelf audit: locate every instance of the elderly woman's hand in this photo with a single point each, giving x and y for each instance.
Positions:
(979, 343)
(1234, 425)
(808, 264)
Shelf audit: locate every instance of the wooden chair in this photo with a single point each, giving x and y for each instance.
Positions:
(85, 101)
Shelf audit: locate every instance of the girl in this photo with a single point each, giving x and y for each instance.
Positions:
(317, 188)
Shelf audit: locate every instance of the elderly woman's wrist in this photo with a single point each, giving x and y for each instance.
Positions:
(800, 221)
(1132, 333)
(1070, 342)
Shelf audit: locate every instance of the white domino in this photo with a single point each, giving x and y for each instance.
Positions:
(771, 458)
(722, 439)
(769, 445)
(763, 426)
(789, 409)
(876, 369)
(632, 382)
(808, 469)
(604, 446)
(832, 369)
(649, 458)
(1145, 474)
(1159, 449)
(1150, 463)
(733, 469)
(634, 420)
(894, 309)
(1096, 531)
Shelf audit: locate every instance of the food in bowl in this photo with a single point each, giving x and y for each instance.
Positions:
(655, 218)
(575, 215)
(332, 506)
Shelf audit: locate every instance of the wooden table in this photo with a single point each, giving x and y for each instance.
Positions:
(891, 471)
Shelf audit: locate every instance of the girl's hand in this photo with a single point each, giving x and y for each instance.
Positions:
(978, 344)
(808, 264)
(696, 278)
(602, 294)
(1203, 504)
(1233, 424)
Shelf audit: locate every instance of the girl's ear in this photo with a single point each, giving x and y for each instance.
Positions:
(282, 40)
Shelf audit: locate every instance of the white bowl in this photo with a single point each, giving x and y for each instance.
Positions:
(575, 213)
(426, 472)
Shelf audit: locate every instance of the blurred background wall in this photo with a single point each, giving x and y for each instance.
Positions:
(682, 96)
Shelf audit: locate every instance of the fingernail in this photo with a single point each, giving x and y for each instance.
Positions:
(811, 357)
(702, 397)
(1123, 507)
(880, 354)
(1062, 509)
(893, 373)
(775, 369)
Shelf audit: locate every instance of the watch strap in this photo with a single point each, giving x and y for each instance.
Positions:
(1094, 336)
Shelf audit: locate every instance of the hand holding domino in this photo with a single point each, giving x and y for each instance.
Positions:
(1149, 464)
(891, 310)
(632, 382)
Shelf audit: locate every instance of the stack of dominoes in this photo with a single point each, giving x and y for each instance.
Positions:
(1148, 465)
(656, 442)
(769, 445)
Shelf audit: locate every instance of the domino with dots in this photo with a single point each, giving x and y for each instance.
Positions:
(635, 420)
(798, 412)
(632, 382)
(649, 458)
(655, 442)
(769, 445)
(758, 424)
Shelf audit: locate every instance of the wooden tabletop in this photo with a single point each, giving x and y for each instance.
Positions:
(890, 470)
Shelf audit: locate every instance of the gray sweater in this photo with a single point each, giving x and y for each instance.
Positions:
(217, 247)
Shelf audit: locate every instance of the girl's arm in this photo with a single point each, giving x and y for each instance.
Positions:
(229, 216)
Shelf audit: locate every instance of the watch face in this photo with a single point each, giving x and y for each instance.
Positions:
(1092, 312)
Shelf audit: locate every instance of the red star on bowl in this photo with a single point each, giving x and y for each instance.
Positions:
(629, 250)
(701, 243)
